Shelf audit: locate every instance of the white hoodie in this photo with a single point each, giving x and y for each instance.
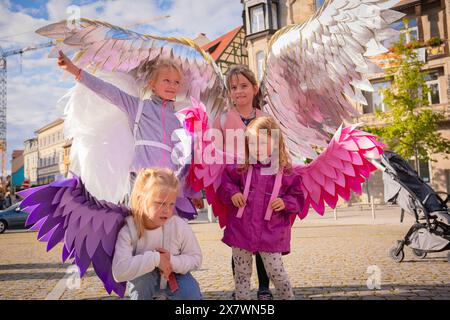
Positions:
(179, 240)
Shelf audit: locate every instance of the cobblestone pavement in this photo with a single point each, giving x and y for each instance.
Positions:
(329, 260)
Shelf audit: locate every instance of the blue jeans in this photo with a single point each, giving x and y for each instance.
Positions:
(146, 287)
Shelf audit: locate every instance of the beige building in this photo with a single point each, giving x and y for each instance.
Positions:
(262, 18)
(428, 29)
(51, 143)
(31, 158)
(67, 146)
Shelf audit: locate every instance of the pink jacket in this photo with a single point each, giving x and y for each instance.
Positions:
(252, 231)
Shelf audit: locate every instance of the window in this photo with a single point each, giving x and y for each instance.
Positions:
(410, 30)
(433, 83)
(257, 19)
(375, 98)
(424, 170)
(275, 16)
(260, 60)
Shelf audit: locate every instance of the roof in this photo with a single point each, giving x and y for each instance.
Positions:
(50, 125)
(16, 153)
(404, 3)
(218, 46)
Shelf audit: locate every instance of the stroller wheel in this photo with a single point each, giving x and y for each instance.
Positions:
(419, 253)
(396, 257)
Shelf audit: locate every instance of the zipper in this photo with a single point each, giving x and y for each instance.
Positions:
(163, 120)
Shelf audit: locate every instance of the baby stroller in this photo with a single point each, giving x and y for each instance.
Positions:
(403, 186)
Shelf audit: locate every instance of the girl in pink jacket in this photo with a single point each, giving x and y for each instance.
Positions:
(263, 195)
(243, 90)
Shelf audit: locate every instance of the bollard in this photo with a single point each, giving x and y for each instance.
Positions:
(210, 213)
(373, 207)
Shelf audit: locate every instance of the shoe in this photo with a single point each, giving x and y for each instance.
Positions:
(265, 294)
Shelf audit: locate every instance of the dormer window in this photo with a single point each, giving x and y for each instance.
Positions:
(257, 18)
(261, 16)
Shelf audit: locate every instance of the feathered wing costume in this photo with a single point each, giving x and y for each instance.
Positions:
(310, 72)
(102, 148)
(85, 212)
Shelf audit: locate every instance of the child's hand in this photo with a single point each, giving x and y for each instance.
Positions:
(198, 203)
(238, 200)
(66, 64)
(164, 262)
(277, 204)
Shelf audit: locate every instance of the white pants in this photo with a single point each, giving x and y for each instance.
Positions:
(273, 264)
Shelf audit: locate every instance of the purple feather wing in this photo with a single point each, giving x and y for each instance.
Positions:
(64, 211)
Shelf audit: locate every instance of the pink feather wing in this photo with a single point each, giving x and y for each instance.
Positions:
(340, 169)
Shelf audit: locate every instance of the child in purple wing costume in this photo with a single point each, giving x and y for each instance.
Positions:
(262, 203)
(153, 121)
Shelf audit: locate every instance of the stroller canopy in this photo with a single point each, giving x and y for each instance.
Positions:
(405, 177)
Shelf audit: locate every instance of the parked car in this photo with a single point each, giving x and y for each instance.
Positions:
(12, 218)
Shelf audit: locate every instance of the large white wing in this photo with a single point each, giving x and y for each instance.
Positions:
(103, 144)
(313, 68)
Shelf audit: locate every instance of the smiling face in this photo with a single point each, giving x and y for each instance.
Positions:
(166, 83)
(242, 91)
(160, 208)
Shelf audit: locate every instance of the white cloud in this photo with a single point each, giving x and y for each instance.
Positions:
(213, 17)
(17, 23)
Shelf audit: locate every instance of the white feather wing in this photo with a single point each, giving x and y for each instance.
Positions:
(103, 144)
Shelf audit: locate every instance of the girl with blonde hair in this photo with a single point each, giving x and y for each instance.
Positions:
(244, 93)
(263, 196)
(156, 246)
(152, 122)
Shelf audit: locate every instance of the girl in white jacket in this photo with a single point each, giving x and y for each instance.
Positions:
(156, 250)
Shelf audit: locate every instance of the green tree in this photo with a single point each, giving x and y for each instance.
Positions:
(409, 127)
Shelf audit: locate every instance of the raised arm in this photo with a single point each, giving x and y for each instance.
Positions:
(127, 103)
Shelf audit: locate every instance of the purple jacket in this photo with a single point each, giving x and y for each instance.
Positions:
(251, 232)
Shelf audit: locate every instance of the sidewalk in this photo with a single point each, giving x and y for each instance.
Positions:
(354, 215)
(329, 259)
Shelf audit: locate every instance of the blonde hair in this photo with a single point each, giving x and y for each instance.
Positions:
(244, 71)
(268, 124)
(161, 64)
(147, 183)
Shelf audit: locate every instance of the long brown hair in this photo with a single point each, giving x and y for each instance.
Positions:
(147, 183)
(244, 71)
(269, 125)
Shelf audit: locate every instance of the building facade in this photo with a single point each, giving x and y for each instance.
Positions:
(262, 18)
(67, 146)
(51, 143)
(228, 49)
(428, 29)
(30, 159)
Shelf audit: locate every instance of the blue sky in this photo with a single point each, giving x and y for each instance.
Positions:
(35, 84)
